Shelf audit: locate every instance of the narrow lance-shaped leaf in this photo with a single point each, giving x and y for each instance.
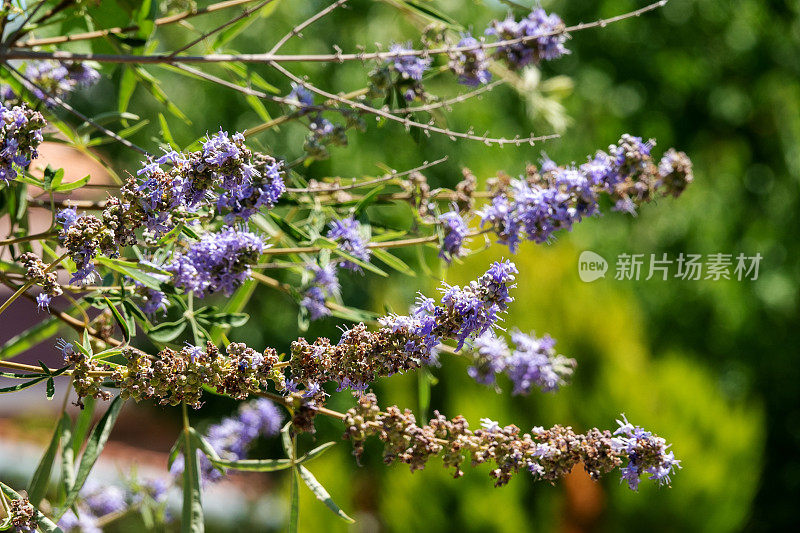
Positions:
(192, 513)
(30, 338)
(95, 445)
(254, 465)
(37, 488)
(321, 494)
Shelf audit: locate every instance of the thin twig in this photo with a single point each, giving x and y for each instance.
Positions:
(303, 25)
(322, 188)
(29, 83)
(408, 123)
(28, 238)
(448, 102)
(244, 14)
(338, 57)
(163, 21)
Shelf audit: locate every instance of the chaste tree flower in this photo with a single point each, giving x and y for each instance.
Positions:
(541, 36)
(20, 136)
(352, 239)
(232, 436)
(217, 262)
(533, 363)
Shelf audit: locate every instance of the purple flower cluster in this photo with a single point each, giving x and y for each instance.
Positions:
(410, 66)
(533, 363)
(217, 262)
(352, 240)
(542, 38)
(464, 312)
(324, 284)
(554, 198)
(470, 66)
(20, 136)
(647, 454)
(84, 236)
(232, 436)
(99, 500)
(239, 182)
(534, 211)
(455, 233)
(59, 78)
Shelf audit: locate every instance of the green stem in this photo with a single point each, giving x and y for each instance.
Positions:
(30, 283)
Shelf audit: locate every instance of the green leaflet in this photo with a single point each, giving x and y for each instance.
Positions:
(37, 488)
(95, 445)
(321, 494)
(30, 338)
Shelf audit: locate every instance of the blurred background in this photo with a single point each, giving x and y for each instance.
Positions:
(710, 365)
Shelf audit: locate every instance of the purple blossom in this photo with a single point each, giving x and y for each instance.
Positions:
(67, 217)
(544, 38)
(104, 499)
(20, 137)
(455, 232)
(350, 236)
(232, 437)
(314, 302)
(533, 363)
(647, 454)
(59, 78)
(408, 66)
(217, 262)
(464, 312)
(85, 523)
(43, 301)
(471, 66)
(302, 96)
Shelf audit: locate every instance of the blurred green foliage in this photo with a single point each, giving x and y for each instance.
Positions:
(712, 366)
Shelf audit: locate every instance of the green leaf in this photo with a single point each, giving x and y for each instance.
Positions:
(294, 513)
(166, 134)
(67, 460)
(128, 269)
(359, 262)
(321, 494)
(51, 388)
(393, 261)
(30, 337)
(37, 488)
(316, 452)
(77, 184)
(174, 451)
(127, 85)
(82, 424)
(192, 513)
(123, 325)
(167, 331)
(45, 524)
(97, 440)
(22, 386)
(367, 199)
(254, 465)
(293, 231)
(224, 319)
